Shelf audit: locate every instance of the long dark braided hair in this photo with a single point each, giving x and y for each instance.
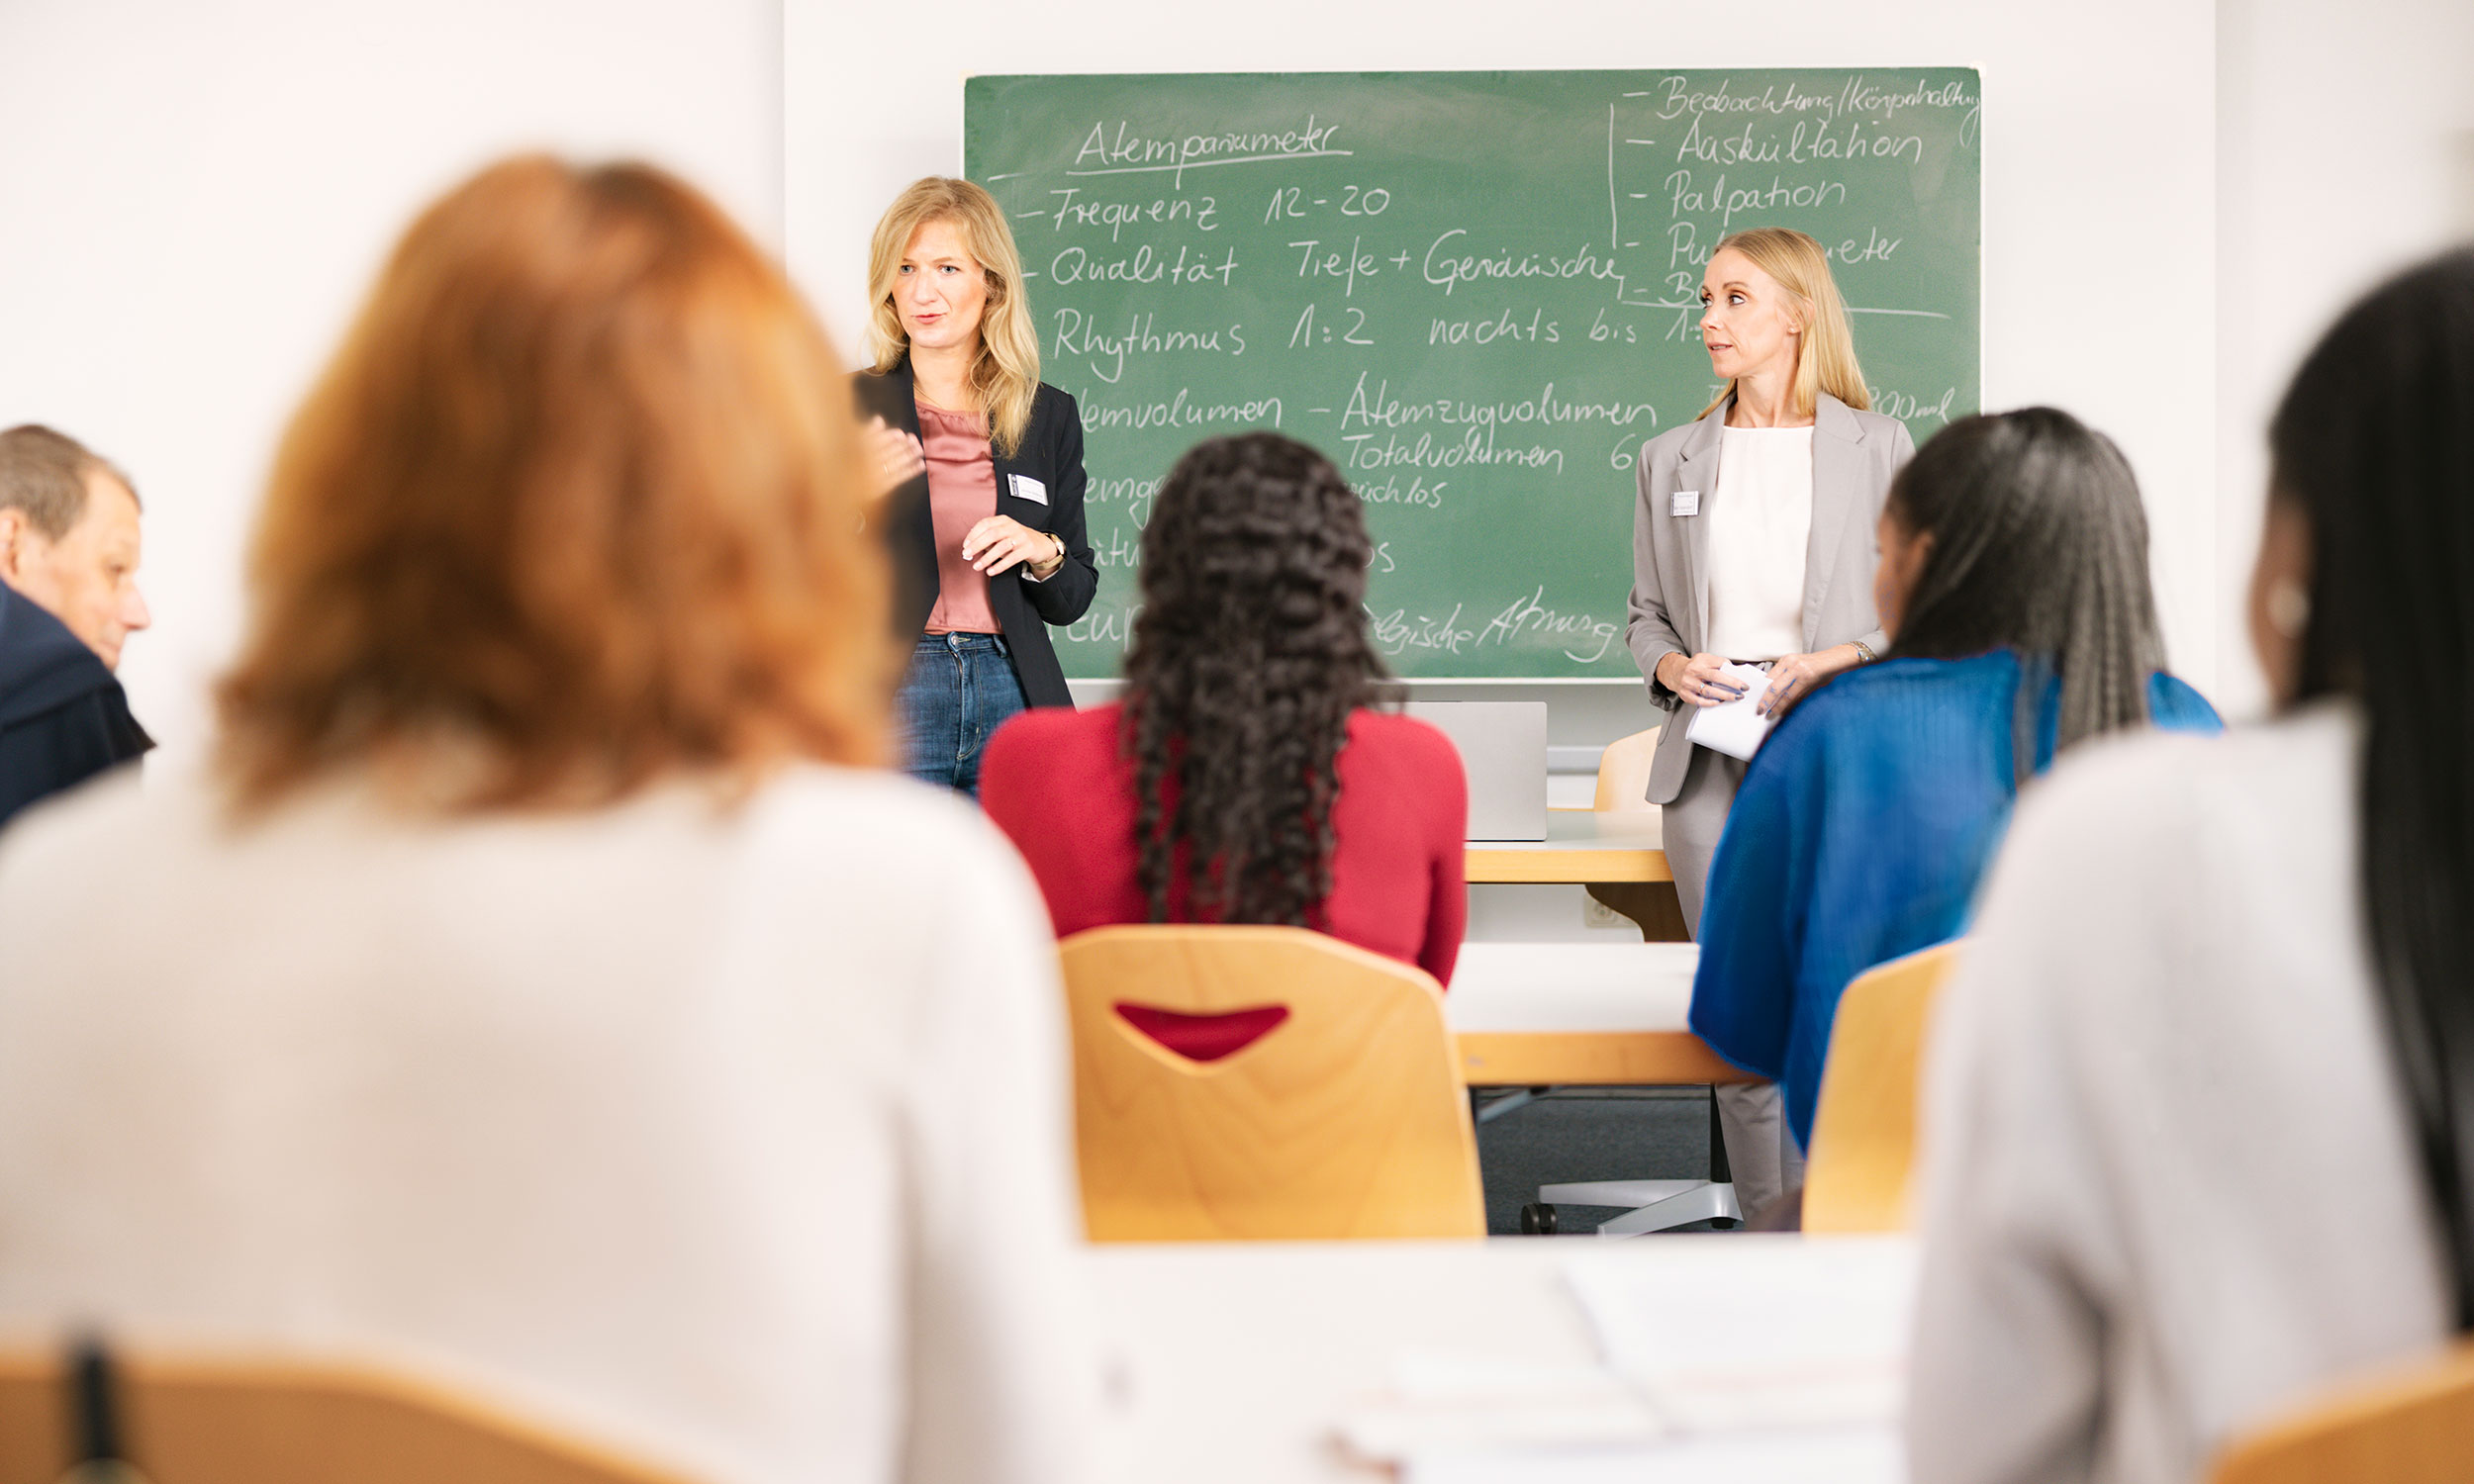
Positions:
(2038, 545)
(2374, 444)
(1249, 653)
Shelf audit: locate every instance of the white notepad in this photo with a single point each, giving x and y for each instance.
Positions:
(1741, 1340)
(1734, 727)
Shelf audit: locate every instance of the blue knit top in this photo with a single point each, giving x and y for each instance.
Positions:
(1860, 832)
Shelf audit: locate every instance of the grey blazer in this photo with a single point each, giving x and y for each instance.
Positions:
(1853, 456)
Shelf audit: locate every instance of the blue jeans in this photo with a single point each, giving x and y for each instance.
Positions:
(958, 689)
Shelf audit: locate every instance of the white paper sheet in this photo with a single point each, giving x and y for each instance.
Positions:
(1864, 1456)
(1444, 1404)
(1734, 727)
(1821, 1343)
(1753, 1360)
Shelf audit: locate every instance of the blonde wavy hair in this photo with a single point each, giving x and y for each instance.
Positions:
(1827, 359)
(1006, 372)
(568, 513)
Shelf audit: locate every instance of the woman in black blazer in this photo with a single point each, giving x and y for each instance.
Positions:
(984, 523)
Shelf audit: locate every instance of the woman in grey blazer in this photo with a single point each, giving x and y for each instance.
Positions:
(1754, 542)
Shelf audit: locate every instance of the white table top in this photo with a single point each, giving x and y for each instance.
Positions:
(1237, 1362)
(1591, 829)
(1571, 986)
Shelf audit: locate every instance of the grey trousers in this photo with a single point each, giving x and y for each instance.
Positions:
(1752, 1116)
(1692, 825)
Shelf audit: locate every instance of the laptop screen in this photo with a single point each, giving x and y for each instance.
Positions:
(1503, 748)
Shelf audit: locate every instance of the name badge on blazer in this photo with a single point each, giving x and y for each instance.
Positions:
(1685, 502)
(1027, 488)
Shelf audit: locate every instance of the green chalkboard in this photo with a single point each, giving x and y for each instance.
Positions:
(1475, 291)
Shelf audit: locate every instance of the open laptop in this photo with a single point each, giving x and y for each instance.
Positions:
(1503, 750)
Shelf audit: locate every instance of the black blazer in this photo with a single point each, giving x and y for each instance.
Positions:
(62, 716)
(1051, 453)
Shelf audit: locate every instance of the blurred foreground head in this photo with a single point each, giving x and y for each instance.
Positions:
(575, 506)
(2373, 467)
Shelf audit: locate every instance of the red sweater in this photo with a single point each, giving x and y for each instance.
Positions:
(1056, 782)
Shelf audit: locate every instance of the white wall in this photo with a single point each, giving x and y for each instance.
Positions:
(193, 198)
(2099, 140)
(2347, 150)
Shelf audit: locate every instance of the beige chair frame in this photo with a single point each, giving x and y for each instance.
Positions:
(1347, 1120)
(206, 1420)
(2410, 1425)
(1864, 1152)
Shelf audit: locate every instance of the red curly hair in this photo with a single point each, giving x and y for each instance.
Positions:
(575, 506)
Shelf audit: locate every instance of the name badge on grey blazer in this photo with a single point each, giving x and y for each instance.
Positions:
(1685, 502)
(1027, 488)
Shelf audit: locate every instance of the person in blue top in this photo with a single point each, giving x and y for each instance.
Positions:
(2013, 585)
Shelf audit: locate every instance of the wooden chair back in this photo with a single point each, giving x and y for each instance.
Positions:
(233, 1422)
(1864, 1126)
(2409, 1426)
(1623, 788)
(1624, 773)
(1346, 1119)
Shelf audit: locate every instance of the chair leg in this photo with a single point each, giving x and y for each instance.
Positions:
(1711, 1203)
(1654, 1205)
(1489, 1112)
(1720, 1174)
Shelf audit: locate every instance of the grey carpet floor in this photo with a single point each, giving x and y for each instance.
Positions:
(1589, 1134)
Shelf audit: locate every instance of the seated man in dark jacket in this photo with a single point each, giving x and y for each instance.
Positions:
(68, 599)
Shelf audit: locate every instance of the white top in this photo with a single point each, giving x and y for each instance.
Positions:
(2170, 1187)
(736, 1140)
(1761, 524)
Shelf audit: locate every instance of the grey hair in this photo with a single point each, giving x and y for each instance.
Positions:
(2039, 546)
(44, 473)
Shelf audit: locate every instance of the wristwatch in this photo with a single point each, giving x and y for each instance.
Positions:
(1029, 576)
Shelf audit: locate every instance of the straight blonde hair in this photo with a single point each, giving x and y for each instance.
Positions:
(1827, 360)
(1006, 372)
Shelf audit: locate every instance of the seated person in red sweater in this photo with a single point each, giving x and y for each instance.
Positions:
(1247, 774)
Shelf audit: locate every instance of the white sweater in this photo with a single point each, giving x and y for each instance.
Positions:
(738, 1140)
(2170, 1187)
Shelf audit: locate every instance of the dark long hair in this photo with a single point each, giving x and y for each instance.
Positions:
(2038, 545)
(1249, 655)
(2374, 444)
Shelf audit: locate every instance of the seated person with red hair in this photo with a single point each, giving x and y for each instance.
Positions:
(547, 975)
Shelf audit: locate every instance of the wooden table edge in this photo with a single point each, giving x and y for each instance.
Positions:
(1495, 866)
(1539, 1059)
